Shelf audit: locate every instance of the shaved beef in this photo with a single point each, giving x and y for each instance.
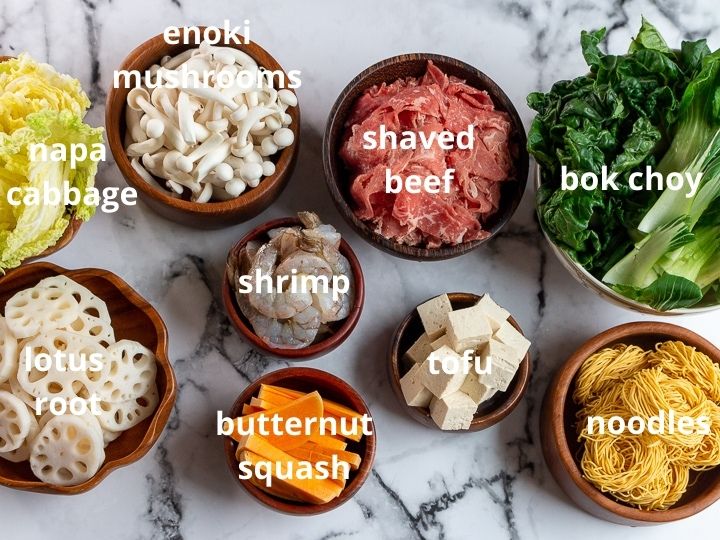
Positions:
(433, 103)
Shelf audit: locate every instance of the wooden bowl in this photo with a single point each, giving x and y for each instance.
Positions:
(342, 329)
(64, 240)
(587, 280)
(338, 177)
(70, 231)
(209, 215)
(490, 412)
(133, 318)
(330, 387)
(562, 450)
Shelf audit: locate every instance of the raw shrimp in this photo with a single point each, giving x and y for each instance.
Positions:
(305, 263)
(314, 229)
(294, 333)
(291, 316)
(277, 304)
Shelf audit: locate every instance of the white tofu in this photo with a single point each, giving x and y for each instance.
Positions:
(498, 371)
(442, 341)
(416, 395)
(496, 315)
(433, 315)
(508, 335)
(476, 390)
(454, 411)
(443, 383)
(420, 349)
(500, 351)
(468, 328)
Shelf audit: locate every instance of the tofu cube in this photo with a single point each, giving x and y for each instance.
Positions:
(495, 314)
(420, 349)
(433, 315)
(454, 411)
(476, 390)
(442, 341)
(509, 335)
(416, 395)
(498, 372)
(445, 381)
(500, 351)
(468, 328)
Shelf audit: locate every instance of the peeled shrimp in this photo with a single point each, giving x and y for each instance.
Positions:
(290, 315)
(305, 263)
(316, 230)
(274, 303)
(294, 333)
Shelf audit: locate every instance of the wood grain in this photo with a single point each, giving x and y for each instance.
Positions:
(338, 178)
(132, 318)
(341, 329)
(490, 412)
(208, 215)
(330, 387)
(562, 450)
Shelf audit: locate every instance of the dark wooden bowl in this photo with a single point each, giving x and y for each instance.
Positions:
(64, 240)
(70, 231)
(338, 177)
(133, 318)
(330, 387)
(490, 412)
(209, 215)
(342, 329)
(562, 450)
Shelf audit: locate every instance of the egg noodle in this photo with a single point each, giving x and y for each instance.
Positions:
(649, 471)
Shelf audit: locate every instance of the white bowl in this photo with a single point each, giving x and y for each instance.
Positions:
(599, 288)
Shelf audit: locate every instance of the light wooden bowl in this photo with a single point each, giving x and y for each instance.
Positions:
(133, 318)
(341, 329)
(330, 387)
(212, 214)
(562, 450)
(338, 178)
(489, 413)
(70, 231)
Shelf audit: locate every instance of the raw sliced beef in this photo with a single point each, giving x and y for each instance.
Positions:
(433, 103)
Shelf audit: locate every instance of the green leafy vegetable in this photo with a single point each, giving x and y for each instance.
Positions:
(652, 107)
(694, 150)
(39, 106)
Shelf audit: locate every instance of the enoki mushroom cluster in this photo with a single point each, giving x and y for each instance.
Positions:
(211, 141)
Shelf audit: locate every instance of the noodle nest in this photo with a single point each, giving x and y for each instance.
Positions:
(646, 470)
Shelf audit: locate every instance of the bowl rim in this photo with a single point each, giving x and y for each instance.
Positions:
(165, 405)
(589, 281)
(316, 349)
(159, 193)
(368, 457)
(510, 401)
(366, 232)
(559, 393)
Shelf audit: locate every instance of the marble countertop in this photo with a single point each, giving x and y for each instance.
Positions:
(425, 484)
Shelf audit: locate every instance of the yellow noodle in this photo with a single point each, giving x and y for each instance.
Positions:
(682, 361)
(605, 368)
(648, 471)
